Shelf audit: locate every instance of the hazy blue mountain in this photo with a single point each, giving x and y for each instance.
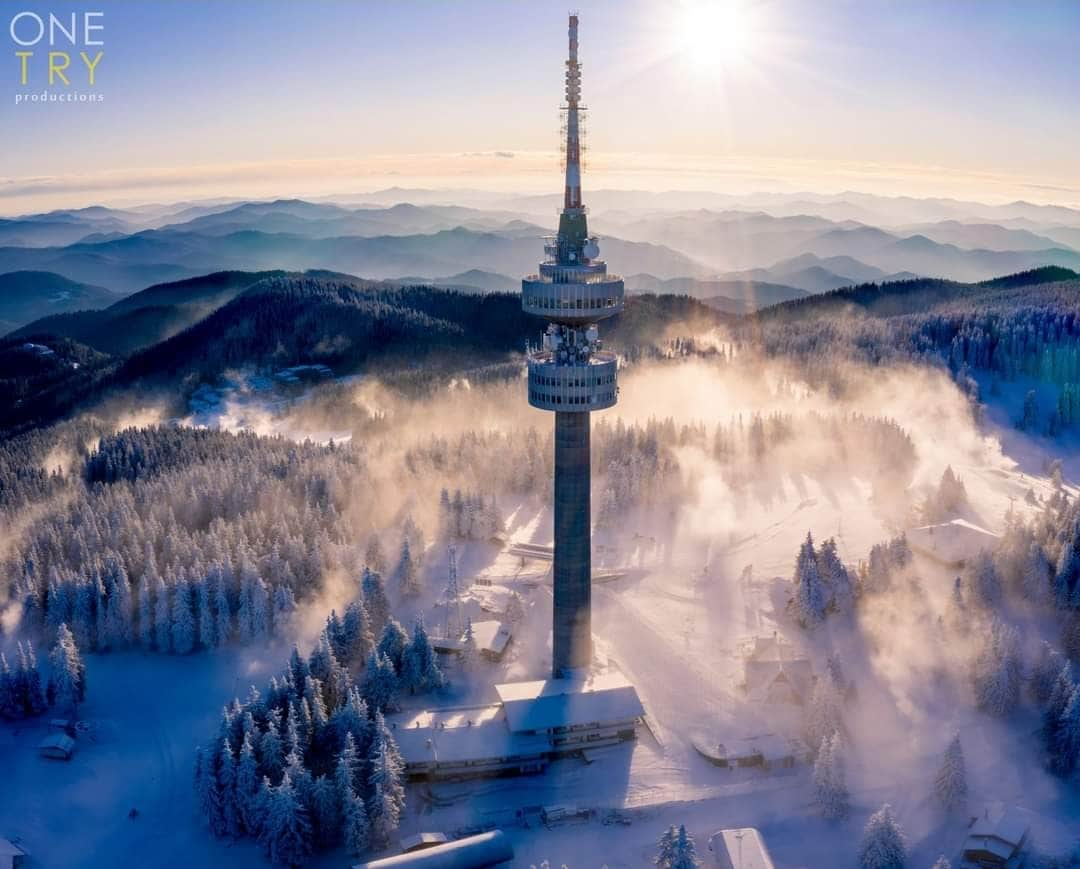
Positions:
(740, 295)
(318, 220)
(146, 317)
(985, 236)
(28, 295)
(472, 281)
(154, 256)
(895, 298)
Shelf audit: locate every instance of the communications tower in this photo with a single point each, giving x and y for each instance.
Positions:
(572, 375)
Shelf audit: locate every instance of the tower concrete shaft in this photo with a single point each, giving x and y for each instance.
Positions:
(572, 582)
(572, 375)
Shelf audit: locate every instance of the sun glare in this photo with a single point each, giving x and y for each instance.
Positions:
(714, 34)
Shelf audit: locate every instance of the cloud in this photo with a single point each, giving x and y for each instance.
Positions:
(520, 172)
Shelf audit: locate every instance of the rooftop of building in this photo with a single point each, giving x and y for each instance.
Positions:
(558, 703)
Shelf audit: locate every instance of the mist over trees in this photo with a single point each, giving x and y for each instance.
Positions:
(179, 539)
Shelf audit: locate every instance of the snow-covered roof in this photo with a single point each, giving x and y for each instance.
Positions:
(491, 637)
(547, 704)
(999, 830)
(462, 735)
(57, 744)
(771, 747)
(952, 543)
(774, 648)
(775, 672)
(742, 848)
(473, 852)
(10, 849)
(779, 681)
(422, 840)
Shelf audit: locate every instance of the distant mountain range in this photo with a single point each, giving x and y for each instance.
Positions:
(738, 252)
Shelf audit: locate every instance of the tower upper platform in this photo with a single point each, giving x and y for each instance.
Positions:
(572, 290)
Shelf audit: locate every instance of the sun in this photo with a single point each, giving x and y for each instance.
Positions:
(714, 34)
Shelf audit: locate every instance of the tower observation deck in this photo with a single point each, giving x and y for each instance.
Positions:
(572, 375)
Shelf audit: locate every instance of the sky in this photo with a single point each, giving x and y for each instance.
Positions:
(202, 99)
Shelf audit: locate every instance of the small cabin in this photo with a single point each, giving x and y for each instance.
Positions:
(775, 673)
(741, 848)
(57, 746)
(11, 855)
(421, 841)
(492, 638)
(998, 837)
(952, 544)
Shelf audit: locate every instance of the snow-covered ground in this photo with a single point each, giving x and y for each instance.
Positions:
(697, 585)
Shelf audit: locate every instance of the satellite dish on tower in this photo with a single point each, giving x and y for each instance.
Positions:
(591, 249)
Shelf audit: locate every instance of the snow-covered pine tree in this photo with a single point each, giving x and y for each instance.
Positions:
(414, 534)
(830, 779)
(67, 682)
(347, 777)
(419, 670)
(810, 601)
(162, 617)
(1065, 754)
(392, 644)
(8, 700)
(468, 655)
(374, 559)
(208, 787)
(101, 614)
(387, 785)
(118, 609)
(284, 605)
(271, 751)
(375, 601)
(146, 614)
(824, 714)
(34, 695)
(205, 609)
(356, 638)
(685, 853)
(247, 786)
(261, 618)
(380, 685)
(351, 719)
(406, 574)
(287, 827)
(984, 580)
(223, 630)
(950, 784)
(665, 848)
(230, 805)
(998, 671)
(835, 577)
(326, 813)
(183, 618)
(1035, 575)
(357, 830)
(1044, 673)
(883, 845)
